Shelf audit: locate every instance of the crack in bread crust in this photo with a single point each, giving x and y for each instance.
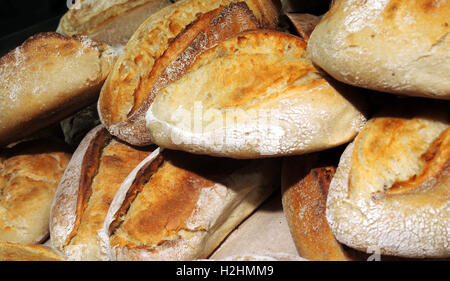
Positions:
(391, 190)
(138, 184)
(145, 67)
(265, 100)
(86, 190)
(90, 166)
(436, 163)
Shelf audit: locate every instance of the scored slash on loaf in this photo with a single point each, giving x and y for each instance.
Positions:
(179, 206)
(97, 169)
(162, 49)
(390, 192)
(200, 102)
(265, 99)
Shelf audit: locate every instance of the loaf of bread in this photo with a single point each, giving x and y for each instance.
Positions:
(393, 46)
(305, 181)
(163, 48)
(179, 206)
(255, 95)
(97, 169)
(161, 51)
(391, 189)
(109, 21)
(27, 252)
(29, 175)
(48, 78)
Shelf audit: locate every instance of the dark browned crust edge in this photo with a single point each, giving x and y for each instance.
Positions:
(319, 168)
(436, 161)
(203, 29)
(142, 177)
(89, 168)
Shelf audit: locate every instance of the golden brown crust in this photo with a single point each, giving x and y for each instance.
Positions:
(27, 252)
(305, 183)
(390, 191)
(179, 206)
(47, 78)
(394, 46)
(144, 69)
(209, 29)
(29, 175)
(174, 194)
(97, 170)
(265, 100)
(435, 164)
(89, 169)
(173, 182)
(142, 177)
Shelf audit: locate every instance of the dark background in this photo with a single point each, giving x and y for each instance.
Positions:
(16, 15)
(19, 19)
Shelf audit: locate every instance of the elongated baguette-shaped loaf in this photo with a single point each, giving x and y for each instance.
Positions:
(178, 206)
(94, 174)
(255, 95)
(109, 21)
(163, 48)
(48, 78)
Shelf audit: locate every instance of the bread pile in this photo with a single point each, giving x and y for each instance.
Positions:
(229, 130)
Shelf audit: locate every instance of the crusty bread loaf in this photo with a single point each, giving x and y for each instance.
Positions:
(391, 188)
(254, 95)
(305, 181)
(27, 252)
(94, 174)
(29, 175)
(109, 21)
(48, 78)
(179, 206)
(395, 46)
(303, 23)
(163, 48)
